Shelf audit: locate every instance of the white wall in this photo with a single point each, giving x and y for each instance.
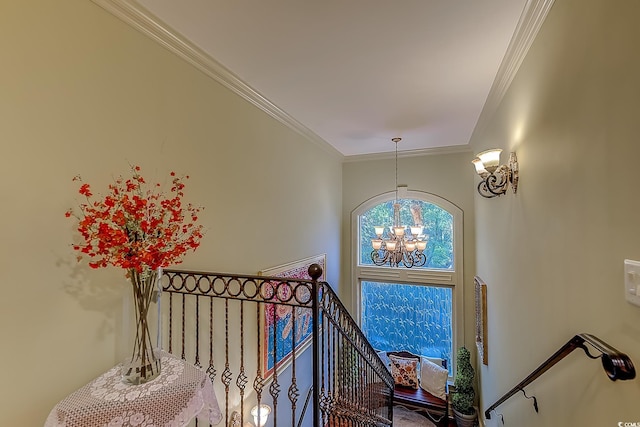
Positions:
(552, 256)
(83, 93)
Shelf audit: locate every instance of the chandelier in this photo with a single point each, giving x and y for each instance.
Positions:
(402, 245)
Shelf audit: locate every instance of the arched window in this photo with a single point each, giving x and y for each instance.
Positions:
(417, 309)
(437, 223)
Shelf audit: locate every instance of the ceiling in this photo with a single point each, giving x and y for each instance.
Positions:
(350, 73)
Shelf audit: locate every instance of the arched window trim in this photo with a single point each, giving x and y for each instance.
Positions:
(433, 277)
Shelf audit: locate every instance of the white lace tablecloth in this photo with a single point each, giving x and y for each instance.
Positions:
(180, 393)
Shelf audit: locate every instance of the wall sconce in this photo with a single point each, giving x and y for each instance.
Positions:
(260, 414)
(496, 177)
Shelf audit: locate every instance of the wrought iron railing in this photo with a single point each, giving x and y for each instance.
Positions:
(235, 327)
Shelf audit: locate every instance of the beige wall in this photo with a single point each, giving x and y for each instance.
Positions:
(552, 256)
(83, 93)
(448, 176)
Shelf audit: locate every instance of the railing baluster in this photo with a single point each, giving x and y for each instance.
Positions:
(258, 383)
(226, 374)
(349, 380)
(318, 371)
(197, 327)
(241, 381)
(293, 388)
(274, 388)
(211, 370)
(184, 297)
(170, 322)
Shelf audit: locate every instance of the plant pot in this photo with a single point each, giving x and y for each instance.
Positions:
(464, 420)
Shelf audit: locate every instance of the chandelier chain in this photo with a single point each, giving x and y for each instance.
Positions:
(396, 171)
(396, 140)
(402, 245)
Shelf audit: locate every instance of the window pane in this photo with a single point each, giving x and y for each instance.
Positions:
(437, 222)
(408, 317)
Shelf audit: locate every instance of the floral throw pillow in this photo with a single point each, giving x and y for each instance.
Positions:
(404, 371)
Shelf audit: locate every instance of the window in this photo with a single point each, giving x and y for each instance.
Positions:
(414, 318)
(437, 222)
(416, 309)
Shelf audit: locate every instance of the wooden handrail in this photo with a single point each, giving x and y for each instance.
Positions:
(616, 364)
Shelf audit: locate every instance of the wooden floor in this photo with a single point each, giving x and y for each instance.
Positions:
(452, 423)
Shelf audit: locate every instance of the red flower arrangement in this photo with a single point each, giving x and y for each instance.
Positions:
(140, 229)
(135, 227)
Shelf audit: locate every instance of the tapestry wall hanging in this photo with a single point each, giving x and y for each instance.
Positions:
(277, 321)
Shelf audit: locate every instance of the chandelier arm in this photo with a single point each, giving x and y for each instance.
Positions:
(407, 259)
(377, 259)
(397, 258)
(421, 259)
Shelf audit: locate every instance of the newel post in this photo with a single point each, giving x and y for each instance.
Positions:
(315, 271)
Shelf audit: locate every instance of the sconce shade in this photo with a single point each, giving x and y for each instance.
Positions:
(480, 170)
(490, 159)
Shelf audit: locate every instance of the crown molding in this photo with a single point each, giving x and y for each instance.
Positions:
(142, 20)
(454, 149)
(532, 18)
(145, 22)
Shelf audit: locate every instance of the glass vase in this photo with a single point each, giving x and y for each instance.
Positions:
(143, 364)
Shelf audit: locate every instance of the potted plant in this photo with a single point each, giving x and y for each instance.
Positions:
(464, 394)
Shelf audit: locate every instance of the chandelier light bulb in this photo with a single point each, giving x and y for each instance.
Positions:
(416, 230)
(399, 231)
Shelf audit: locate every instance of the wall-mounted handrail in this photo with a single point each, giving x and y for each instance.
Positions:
(616, 364)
